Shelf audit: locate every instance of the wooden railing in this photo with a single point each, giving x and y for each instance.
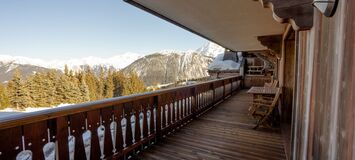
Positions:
(115, 128)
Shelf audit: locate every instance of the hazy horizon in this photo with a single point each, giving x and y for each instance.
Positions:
(60, 30)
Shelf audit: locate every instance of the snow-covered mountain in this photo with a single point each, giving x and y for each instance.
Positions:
(185, 63)
(117, 62)
(210, 49)
(160, 68)
(8, 69)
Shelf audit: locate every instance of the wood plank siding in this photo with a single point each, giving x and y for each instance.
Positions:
(323, 126)
(224, 132)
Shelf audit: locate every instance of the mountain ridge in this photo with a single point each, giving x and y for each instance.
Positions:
(118, 62)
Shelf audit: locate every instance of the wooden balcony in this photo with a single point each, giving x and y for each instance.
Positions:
(224, 132)
(190, 122)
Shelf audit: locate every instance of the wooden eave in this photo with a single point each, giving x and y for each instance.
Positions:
(240, 28)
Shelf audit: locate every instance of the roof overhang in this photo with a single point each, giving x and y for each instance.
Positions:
(234, 24)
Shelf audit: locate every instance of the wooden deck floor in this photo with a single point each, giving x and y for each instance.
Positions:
(224, 132)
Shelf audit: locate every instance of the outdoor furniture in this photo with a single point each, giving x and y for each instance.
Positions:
(255, 69)
(273, 83)
(262, 108)
(261, 94)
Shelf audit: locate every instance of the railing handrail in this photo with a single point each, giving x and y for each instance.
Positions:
(27, 118)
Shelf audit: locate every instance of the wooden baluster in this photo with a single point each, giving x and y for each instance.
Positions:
(93, 122)
(128, 110)
(214, 93)
(12, 138)
(162, 115)
(118, 115)
(194, 93)
(175, 111)
(49, 149)
(134, 123)
(183, 108)
(77, 126)
(166, 112)
(190, 105)
(35, 137)
(62, 135)
(149, 116)
(224, 90)
(180, 109)
(107, 119)
(171, 115)
(157, 105)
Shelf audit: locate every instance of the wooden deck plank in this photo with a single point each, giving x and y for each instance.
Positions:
(224, 132)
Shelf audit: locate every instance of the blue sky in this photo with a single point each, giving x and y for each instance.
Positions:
(63, 29)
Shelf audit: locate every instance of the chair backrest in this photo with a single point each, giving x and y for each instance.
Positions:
(267, 84)
(274, 84)
(276, 98)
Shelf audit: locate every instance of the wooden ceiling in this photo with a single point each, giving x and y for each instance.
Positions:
(233, 24)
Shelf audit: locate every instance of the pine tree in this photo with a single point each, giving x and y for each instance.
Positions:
(33, 86)
(4, 98)
(66, 70)
(133, 85)
(68, 90)
(91, 81)
(74, 90)
(18, 93)
(84, 89)
(118, 79)
(108, 85)
(51, 83)
(100, 84)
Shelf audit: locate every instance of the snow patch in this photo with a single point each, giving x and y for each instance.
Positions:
(11, 67)
(219, 64)
(33, 109)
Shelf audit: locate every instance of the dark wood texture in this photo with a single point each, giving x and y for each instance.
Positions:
(224, 132)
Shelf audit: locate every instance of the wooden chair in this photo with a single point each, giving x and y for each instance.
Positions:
(262, 109)
(275, 83)
(268, 84)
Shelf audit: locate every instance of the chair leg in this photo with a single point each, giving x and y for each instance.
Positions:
(262, 120)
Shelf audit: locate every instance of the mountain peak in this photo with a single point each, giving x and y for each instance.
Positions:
(211, 49)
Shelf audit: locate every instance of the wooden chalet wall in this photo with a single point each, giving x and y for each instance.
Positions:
(323, 116)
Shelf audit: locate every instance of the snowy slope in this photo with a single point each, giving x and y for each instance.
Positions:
(118, 61)
(160, 68)
(188, 64)
(210, 49)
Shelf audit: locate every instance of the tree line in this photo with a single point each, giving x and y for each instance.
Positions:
(51, 88)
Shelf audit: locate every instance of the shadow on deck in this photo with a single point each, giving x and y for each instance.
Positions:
(224, 132)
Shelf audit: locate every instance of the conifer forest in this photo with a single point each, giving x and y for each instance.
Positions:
(46, 89)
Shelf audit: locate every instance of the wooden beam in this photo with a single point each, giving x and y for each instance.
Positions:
(272, 42)
(299, 13)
